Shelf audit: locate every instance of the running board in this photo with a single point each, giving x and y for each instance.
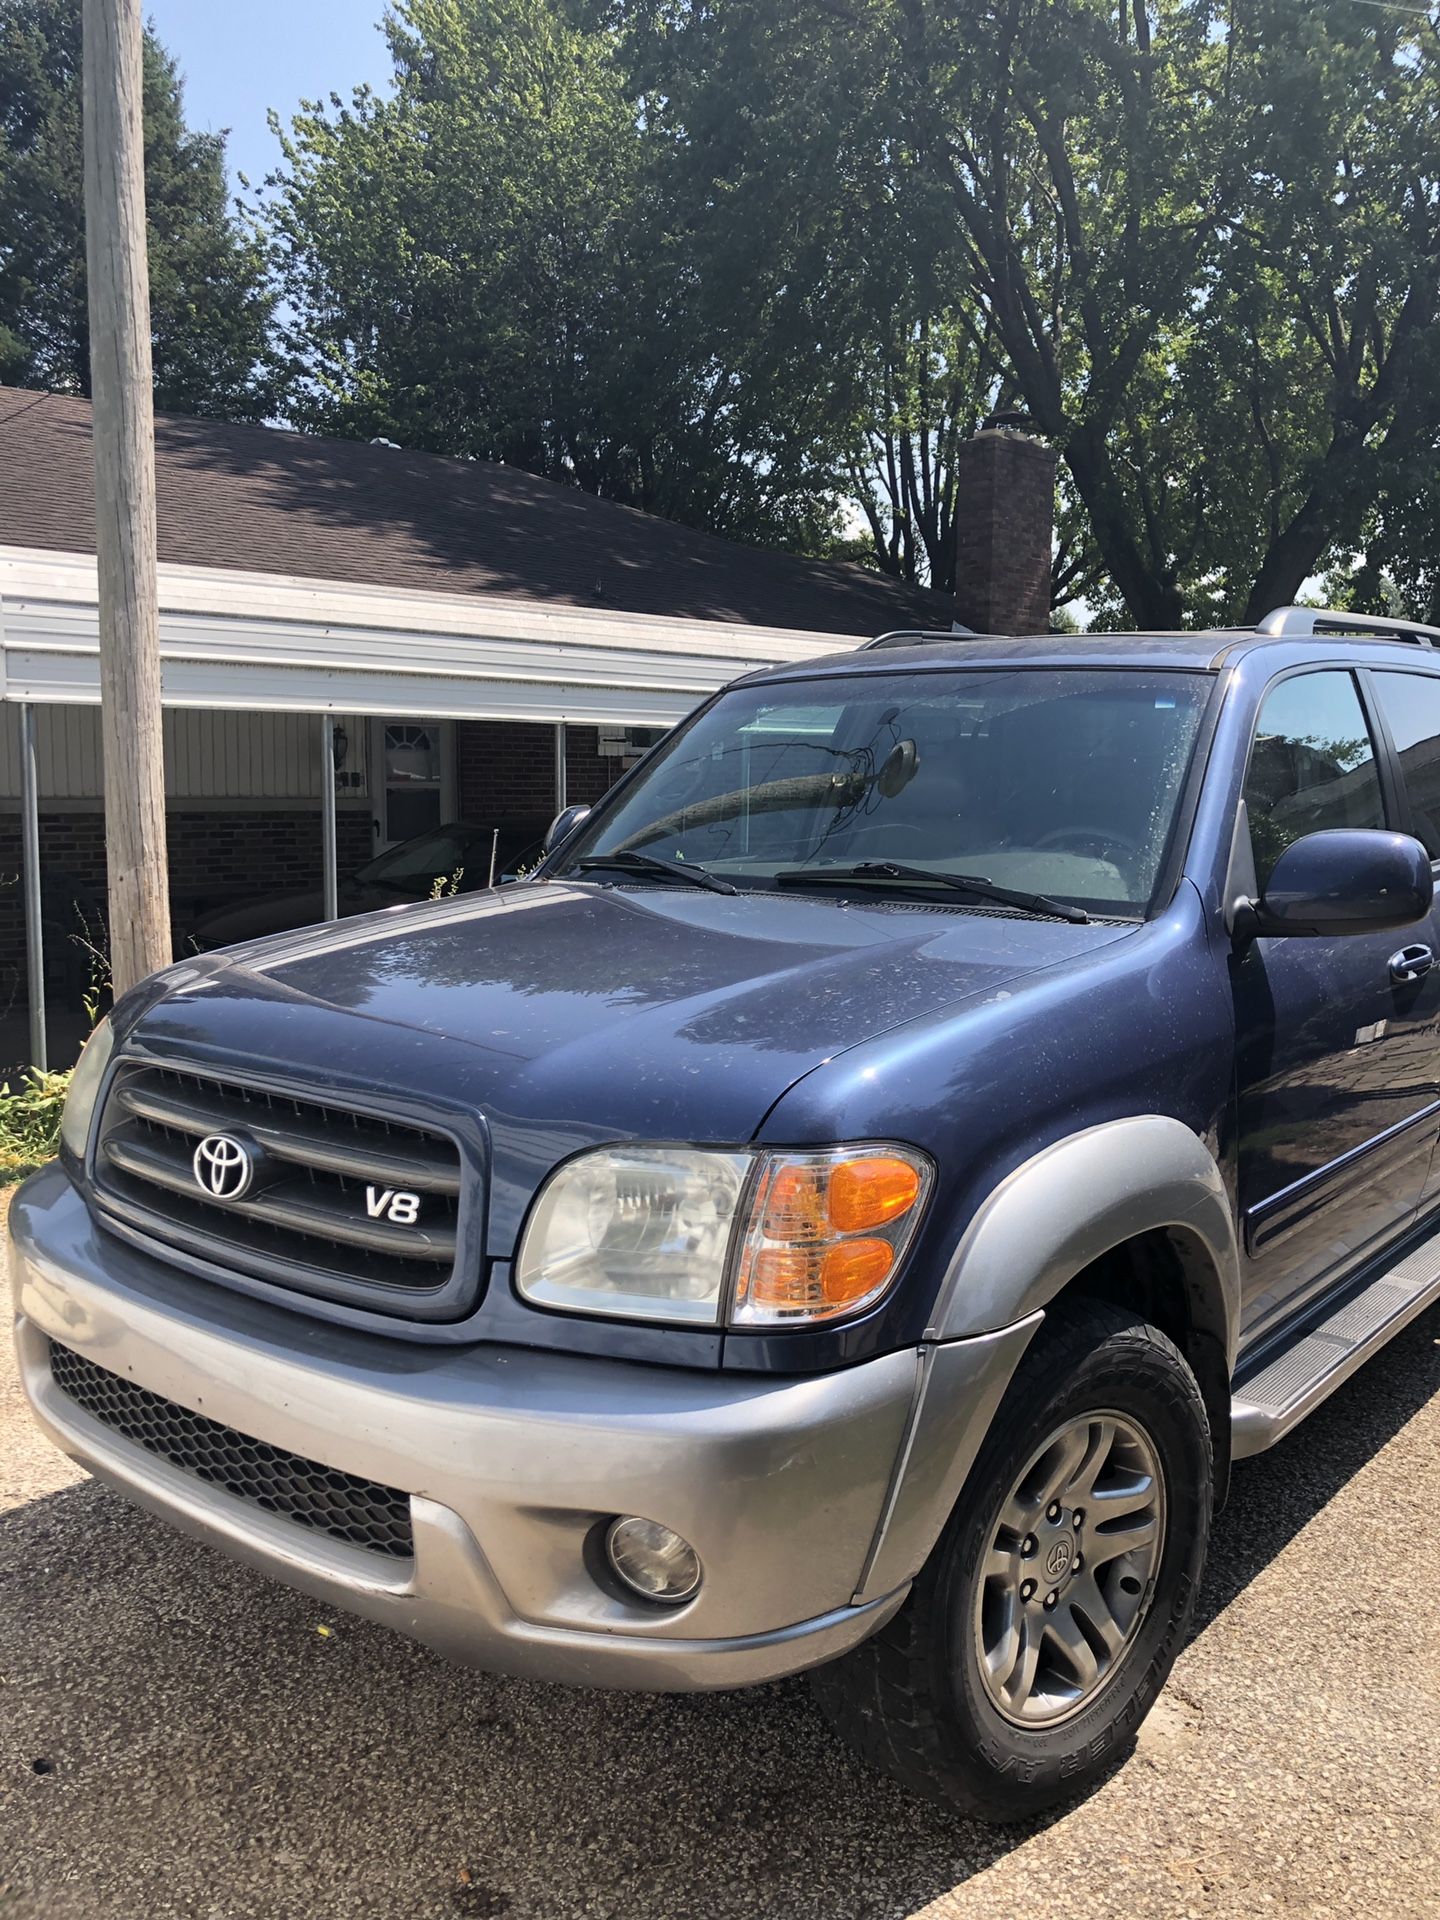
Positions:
(1269, 1403)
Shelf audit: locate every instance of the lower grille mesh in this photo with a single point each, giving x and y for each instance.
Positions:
(359, 1512)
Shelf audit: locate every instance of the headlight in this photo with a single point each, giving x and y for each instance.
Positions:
(85, 1089)
(713, 1238)
(638, 1231)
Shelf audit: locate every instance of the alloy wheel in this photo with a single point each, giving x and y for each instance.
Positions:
(1067, 1578)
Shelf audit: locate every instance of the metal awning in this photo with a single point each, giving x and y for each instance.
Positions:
(263, 642)
(278, 643)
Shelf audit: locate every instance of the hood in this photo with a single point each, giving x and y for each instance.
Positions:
(566, 1014)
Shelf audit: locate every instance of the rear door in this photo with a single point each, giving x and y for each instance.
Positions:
(1337, 1094)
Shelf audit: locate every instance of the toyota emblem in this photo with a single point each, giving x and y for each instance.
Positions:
(224, 1166)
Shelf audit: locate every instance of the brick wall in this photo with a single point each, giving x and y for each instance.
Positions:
(505, 770)
(589, 774)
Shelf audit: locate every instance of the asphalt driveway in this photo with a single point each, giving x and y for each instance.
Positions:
(180, 1738)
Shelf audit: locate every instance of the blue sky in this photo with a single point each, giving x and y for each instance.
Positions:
(238, 58)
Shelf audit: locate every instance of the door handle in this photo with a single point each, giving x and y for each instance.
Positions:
(1409, 964)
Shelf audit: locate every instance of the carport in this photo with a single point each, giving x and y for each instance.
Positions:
(236, 641)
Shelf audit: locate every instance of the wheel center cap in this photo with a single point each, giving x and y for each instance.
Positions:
(1059, 1556)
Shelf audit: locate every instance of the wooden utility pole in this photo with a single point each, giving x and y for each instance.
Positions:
(120, 381)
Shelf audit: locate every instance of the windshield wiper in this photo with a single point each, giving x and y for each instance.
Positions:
(626, 861)
(975, 883)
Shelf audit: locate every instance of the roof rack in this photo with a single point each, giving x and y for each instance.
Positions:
(921, 636)
(1291, 623)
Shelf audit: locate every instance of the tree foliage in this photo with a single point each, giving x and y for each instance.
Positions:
(1199, 245)
(488, 262)
(209, 296)
(763, 265)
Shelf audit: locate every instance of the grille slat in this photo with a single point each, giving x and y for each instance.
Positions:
(417, 1166)
(361, 1513)
(317, 1214)
(281, 1207)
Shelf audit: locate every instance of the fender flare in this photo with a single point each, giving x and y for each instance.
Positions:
(1045, 1222)
(1078, 1199)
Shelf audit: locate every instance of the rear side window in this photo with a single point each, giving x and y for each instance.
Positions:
(1312, 765)
(1411, 705)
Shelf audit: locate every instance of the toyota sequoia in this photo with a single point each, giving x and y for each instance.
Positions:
(844, 1211)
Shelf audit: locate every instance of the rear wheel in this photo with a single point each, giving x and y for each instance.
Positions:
(1044, 1624)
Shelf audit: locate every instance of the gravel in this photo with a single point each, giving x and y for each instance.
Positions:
(180, 1738)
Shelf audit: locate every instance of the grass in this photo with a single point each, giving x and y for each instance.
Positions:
(30, 1122)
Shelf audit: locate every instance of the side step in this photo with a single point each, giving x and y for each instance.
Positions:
(1269, 1403)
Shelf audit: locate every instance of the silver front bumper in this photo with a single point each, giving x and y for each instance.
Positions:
(812, 1502)
(511, 1459)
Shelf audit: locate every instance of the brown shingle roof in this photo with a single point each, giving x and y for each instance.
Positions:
(273, 502)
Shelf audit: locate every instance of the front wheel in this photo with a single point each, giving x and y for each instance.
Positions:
(1045, 1622)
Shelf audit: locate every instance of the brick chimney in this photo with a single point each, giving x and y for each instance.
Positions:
(1004, 519)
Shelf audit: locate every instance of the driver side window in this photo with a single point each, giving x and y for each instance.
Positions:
(1312, 765)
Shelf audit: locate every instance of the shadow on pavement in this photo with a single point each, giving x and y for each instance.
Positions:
(1274, 1495)
(209, 1751)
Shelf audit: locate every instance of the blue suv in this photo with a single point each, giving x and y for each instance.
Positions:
(845, 1211)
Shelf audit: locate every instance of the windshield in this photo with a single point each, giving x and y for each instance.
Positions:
(1057, 781)
(420, 862)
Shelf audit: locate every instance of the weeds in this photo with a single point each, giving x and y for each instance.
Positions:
(30, 1121)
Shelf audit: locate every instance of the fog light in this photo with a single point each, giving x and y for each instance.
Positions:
(653, 1561)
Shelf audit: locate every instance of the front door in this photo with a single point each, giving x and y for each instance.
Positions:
(413, 778)
(1335, 1055)
(1409, 703)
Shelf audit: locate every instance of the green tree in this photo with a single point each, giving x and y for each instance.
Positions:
(1199, 246)
(820, 261)
(209, 296)
(490, 262)
(1209, 243)
(1395, 567)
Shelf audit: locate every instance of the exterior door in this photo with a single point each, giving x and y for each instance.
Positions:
(413, 779)
(1336, 1082)
(1409, 706)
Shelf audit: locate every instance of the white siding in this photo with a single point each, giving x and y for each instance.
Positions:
(209, 756)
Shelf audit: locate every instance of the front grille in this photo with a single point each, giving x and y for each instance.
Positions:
(359, 1512)
(335, 1198)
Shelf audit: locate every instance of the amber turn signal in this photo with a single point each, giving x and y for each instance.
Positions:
(810, 1202)
(868, 1193)
(826, 1233)
(818, 1282)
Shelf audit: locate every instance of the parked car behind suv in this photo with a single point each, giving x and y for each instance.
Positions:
(845, 1211)
(457, 857)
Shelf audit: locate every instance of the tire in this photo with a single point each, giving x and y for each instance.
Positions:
(916, 1701)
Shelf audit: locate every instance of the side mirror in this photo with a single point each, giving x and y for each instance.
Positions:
(562, 826)
(1345, 880)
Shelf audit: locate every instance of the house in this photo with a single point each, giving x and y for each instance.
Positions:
(458, 639)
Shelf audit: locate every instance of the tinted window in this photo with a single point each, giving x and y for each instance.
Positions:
(428, 857)
(1312, 766)
(1062, 781)
(1411, 703)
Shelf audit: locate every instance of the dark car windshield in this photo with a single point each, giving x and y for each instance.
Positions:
(1057, 781)
(415, 865)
